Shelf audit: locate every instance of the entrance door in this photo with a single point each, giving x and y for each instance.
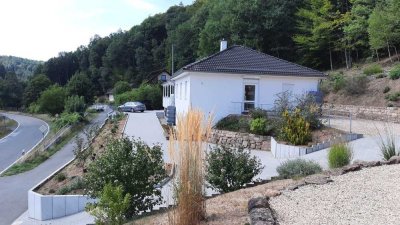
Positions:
(249, 97)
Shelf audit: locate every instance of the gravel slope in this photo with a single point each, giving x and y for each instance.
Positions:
(369, 196)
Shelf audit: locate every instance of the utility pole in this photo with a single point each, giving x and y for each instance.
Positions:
(172, 61)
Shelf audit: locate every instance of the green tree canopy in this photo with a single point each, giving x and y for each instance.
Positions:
(52, 100)
(36, 85)
(80, 85)
(121, 87)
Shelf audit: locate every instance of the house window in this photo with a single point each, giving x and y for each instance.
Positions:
(185, 90)
(249, 97)
(168, 87)
(163, 77)
(172, 90)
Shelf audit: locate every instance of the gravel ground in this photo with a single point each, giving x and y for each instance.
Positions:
(369, 196)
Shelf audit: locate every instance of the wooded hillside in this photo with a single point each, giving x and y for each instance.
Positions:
(24, 68)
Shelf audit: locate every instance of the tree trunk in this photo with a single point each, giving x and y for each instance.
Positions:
(397, 55)
(388, 46)
(377, 55)
(357, 55)
(330, 58)
(346, 58)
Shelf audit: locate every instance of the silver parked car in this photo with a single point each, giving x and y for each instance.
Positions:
(132, 107)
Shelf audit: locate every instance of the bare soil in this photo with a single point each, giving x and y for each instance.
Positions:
(230, 208)
(373, 95)
(73, 171)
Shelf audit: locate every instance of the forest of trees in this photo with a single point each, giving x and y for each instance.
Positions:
(322, 34)
(23, 68)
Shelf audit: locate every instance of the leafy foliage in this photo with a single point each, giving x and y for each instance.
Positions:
(394, 74)
(387, 142)
(36, 85)
(112, 207)
(233, 123)
(356, 85)
(135, 166)
(373, 69)
(386, 89)
(260, 126)
(121, 87)
(339, 155)
(228, 169)
(298, 168)
(52, 100)
(150, 95)
(295, 129)
(75, 104)
(67, 119)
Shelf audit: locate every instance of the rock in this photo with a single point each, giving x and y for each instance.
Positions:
(317, 179)
(259, 202)
(272, 193)
(351, 168)
(296, 185)
(245, 144)
(394, 160)
(334, 172)
(261, 216)
(373, 164)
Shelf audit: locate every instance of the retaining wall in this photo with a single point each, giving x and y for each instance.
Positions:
(390, 114)
(282, 151)
(243, 140)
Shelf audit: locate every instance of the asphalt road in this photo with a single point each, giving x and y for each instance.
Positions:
(24, 138)
(14, 189)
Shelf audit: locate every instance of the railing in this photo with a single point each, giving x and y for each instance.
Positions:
(238, 107)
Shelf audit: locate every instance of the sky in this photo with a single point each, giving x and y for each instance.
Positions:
(40, 29)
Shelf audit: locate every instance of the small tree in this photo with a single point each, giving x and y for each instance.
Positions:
(295, 129)
(52, 100)
(75, 103)
(112, 206)
(135, 166)
(228, 169)
(121, 87)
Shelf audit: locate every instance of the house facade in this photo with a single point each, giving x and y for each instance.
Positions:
(235, 80)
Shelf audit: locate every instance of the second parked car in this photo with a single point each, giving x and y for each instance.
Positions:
(132, 107)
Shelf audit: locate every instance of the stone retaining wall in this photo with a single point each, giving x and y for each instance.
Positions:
(390, 114)
(237, 139)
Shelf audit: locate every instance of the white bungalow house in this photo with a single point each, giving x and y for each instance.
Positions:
(235, 80)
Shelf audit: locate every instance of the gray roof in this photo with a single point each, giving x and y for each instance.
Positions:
(242, 60)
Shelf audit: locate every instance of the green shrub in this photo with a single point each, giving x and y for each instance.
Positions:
(68, 119)
(121, 87)
(134, 165)
(233, 123)
(390, 104)
(309, 110)
(295, 129)
(356, 85)
(112, 207)
(229, 169)
(298, 168)
(60, 177)
(338, 81)
(379, 76)
(52, 100)
(75, 104)
(393, 96)
(260, 126)
(325, 86)
(394, 74)
(387, 142)
(373, 69)
(258, 113)
(386, 89)
(150, 95)
(76, 184)
(339, 155)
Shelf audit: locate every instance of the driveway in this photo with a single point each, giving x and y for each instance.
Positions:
(14, 189)
(24, 138)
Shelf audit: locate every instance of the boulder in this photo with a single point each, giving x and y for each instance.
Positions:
(296, 185)
(258, 202)
(261, 216)
(272, 193)
(334, 172)
(351, 168)
(394, 160)
(317, 179)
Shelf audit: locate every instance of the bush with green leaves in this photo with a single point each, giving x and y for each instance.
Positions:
(229, 169)
(394, 74)
(60, 177)
(112, 206)
(76, 184)
(373, 69)
(233, 123)
(393, 96)
(310, 110)
(386, 89)
(75, 103)
(340, 155)
(52, 100)
(338, 81)
(298, 168)
(356, 85)
(67, 119)
(121, 87)
(258, 113)
(387, 142)
(295, 129)
(260, 126)
(134, 165)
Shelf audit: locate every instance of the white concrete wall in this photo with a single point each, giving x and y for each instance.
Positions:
(281, 151)
(215, 93)
(45, 207)
(182, 101)
(223, 94)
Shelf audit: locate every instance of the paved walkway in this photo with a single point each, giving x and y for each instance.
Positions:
(14, 189)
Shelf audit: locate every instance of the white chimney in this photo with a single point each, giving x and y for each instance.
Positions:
(224, 45)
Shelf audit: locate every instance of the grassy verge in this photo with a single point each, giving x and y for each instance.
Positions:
(40, 157)
(7, 127)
